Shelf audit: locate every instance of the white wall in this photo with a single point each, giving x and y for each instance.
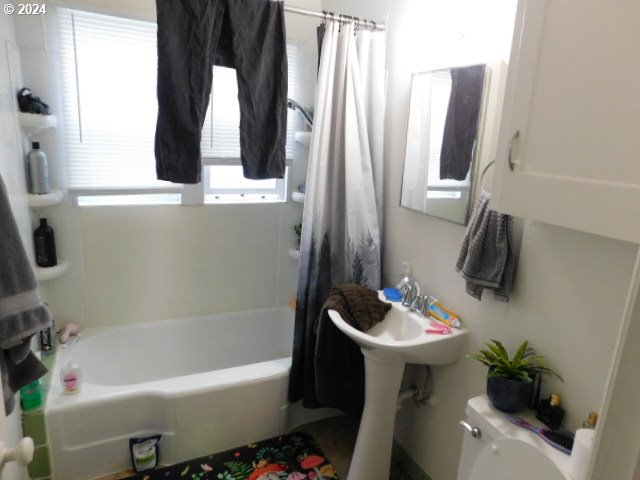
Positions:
(570, 287)
(13, 174)
(131, 264)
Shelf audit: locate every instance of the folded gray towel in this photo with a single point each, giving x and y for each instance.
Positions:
(22, 311)
(486, 257)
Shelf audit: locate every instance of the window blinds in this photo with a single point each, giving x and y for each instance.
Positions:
(109, 68)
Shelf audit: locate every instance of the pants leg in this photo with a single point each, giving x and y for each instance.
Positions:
(248, 35)
(187, 30)
(260, 56)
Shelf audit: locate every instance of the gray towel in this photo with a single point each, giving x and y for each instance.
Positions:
(486, 257)
(22, 311)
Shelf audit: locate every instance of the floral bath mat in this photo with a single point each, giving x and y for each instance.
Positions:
(288, 457)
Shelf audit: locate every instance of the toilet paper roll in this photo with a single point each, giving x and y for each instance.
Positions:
(581, 453)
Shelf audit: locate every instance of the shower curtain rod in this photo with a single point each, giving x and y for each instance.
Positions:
(333, 16)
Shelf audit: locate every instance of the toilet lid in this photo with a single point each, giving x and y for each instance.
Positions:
(509, 458)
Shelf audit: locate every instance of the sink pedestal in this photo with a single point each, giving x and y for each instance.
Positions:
(372, 455)
(387, 346)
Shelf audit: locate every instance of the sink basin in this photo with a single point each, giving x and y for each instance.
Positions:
(402, 334)
(399, 339)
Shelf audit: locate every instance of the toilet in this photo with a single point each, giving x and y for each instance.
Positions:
(495, 449)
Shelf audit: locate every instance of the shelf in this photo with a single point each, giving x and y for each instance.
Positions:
(33, 123)
(297, 197)
(49, 273)
(294, 253)
(45, 200)
(304, 138)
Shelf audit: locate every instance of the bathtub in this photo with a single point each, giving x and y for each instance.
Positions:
(206, 384)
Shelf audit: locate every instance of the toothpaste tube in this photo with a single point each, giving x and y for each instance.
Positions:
(440, 313)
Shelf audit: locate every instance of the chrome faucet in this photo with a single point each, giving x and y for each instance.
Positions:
(411, 290)
(419, 304)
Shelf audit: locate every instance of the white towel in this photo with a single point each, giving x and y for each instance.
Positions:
(486, 257)
(22, 311)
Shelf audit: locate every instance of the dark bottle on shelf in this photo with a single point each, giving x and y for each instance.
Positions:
(45, 243)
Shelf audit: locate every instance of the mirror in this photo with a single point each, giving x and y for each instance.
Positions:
(442, 132)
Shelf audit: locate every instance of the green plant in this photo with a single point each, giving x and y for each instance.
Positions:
(524, 365)
(298, 229)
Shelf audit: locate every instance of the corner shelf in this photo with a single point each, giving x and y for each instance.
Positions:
(297, 197)
(294, 253)
(49, 273)
(304, 138)
(45, 200)
(33, 123)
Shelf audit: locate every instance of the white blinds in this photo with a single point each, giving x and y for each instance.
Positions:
(109, 95)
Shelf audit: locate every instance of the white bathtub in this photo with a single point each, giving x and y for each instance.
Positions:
(206, 384)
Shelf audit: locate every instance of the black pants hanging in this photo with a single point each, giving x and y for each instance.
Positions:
(194, 35)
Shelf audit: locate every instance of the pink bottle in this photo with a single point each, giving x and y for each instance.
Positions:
(71, 378)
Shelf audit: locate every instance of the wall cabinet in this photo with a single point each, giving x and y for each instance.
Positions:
(569, 140)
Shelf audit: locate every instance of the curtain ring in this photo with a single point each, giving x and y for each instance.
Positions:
(374, 26)
(324, 17)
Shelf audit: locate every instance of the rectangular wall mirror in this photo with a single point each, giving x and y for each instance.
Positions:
(444, 118)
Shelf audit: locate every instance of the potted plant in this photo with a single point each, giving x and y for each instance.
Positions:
(510, 381)
(298, 229)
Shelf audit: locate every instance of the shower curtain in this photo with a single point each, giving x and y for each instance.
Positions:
(342, 220)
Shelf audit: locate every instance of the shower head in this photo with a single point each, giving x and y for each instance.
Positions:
(295, 106)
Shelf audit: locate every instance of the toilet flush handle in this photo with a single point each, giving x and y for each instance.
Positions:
(474, 431)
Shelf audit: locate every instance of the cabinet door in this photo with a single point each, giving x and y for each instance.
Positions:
(569, 146)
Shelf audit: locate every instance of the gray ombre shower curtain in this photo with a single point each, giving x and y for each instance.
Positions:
(341, 232)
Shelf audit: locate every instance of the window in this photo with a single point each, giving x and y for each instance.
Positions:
(109, 97)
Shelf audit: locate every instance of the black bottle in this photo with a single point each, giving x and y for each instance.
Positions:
(550, 412)
(45, 243)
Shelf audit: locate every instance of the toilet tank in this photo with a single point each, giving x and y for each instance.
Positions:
(493, 425)
(472, 446)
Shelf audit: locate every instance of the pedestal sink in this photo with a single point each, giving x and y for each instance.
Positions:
(399, 339)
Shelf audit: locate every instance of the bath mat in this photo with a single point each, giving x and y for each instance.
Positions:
(288, 457)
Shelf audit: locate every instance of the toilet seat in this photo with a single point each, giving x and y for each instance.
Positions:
(509, 458)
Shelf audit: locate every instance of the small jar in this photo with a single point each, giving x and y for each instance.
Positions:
(71, 378)
(550, 412)
(32, 396)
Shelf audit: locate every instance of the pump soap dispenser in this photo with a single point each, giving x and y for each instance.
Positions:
(408, 285)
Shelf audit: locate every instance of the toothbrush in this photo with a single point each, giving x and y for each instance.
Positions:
(438, 329)
(561, 441)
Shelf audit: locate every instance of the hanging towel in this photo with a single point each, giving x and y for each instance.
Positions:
(194, 35)
(486, 257)
(339, 363)
(461, 124)
(22, 311)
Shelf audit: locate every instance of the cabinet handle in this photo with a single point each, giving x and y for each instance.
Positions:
(513, 163)
(474, 431)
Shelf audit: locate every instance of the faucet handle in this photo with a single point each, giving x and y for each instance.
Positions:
(417, 304)
(428, 301)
